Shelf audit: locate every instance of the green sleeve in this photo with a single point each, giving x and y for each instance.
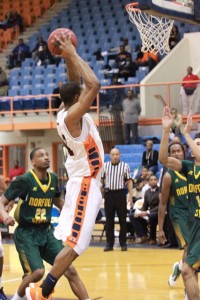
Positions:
(186, 164)
(17, 188)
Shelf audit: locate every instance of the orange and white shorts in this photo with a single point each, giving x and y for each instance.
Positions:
(82, 203)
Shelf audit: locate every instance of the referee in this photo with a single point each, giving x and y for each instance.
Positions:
(115, 177)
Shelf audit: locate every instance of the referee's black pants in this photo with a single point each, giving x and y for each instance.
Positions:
(115, 201)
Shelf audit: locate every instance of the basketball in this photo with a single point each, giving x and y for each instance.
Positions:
(53, 44)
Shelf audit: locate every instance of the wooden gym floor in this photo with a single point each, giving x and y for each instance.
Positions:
(140, 273)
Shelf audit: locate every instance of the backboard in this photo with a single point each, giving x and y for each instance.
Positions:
(181, 10)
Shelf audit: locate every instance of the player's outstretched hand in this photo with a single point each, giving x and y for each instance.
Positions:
(65, 44)
(167, 118)
(188, 127)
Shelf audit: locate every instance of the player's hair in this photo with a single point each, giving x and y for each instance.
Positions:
(197, 135)
(68, 92)
(33, 152)
(176, 143)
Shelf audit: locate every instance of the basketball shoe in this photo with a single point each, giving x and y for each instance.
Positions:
(34, 292)
(176, 272)
(2, 295)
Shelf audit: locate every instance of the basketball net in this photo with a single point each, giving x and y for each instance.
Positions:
(154, 31)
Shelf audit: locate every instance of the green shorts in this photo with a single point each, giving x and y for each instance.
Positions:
(35, 244)
(179, 218)
(193, 254)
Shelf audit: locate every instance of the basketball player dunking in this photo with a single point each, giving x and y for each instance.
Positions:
(84, 165)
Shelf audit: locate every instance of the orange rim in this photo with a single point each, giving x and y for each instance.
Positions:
(132, 7)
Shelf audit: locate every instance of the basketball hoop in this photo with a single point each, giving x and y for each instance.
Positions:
(154, 31)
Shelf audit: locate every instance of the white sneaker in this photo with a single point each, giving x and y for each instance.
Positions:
(175, 274)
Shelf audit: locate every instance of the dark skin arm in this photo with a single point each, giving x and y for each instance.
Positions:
(165, 191)
(58, 202)
(170, 162)
(87, 96)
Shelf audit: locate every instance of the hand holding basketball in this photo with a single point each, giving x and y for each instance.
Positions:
(66, 45)
(62, 41)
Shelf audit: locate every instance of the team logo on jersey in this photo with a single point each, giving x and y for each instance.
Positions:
(176, 180)
(52, 189)
(190, 173)
(34, 189)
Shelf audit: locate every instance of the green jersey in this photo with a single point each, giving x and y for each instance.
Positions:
(37, 197)
(192, 172)
(178, 191)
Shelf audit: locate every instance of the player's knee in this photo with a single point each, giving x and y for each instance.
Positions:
(38, 274)
(71, 273)
(187, 271)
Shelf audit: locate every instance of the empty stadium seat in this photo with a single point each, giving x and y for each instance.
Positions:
(28, 104)
(4, 105)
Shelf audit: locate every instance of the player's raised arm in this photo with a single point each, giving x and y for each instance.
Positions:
(92, 84)
(169, 162)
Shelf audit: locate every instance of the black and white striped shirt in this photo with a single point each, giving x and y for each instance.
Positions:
(115, 175)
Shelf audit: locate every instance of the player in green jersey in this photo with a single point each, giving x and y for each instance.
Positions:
(34, 239)
(174, 187)
(192, 172)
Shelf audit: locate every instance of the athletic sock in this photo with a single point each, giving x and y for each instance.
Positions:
(17, 297)
(48, 285)
(180, 265)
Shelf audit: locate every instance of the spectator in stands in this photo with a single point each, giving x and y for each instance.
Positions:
(132, 109)
(19, 53)
(147, 58)
(147, 214)
(137, 190)
(177, 122)
(41, 53)
(150, 157)
(115, 178)
(56, 101)
(16, 170)
(112, 52)
(121, 57)
(128, 68)
(174, 37)
(12, 19)
(3, 83)
(188, 92)
(142, 175)
(98, 54)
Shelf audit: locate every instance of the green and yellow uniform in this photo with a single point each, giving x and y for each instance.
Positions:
(178, 207)
(34, 239)
(192, 172)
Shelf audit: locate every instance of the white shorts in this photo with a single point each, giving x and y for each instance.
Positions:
(77, 219)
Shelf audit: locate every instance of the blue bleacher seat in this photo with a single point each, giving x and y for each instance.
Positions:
(41, 103)
(39, 70)
(13, 93)
(130, 148)
(140, 74)
(17, 104)
(4, 105)
(106, 157)
(26, 80)
(50, 87)
(27, 104)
